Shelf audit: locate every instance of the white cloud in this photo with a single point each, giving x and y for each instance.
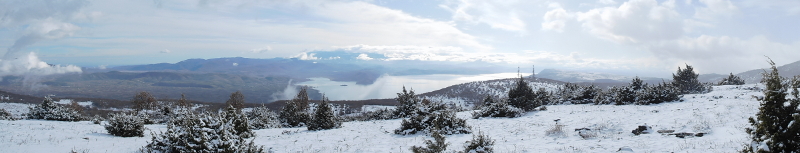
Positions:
(723, 54)
(497, 14)
(634, 21)
(555, 19)
(363, 57)
(165, 51)
(31, 65)
(29, 22)
(715, 9)
(305, 56)
(261, 50)
(607, 2)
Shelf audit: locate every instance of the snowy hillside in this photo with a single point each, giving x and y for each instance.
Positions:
(721, 115)
(466, 94)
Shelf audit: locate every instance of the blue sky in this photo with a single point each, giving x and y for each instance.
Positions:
(637, 37)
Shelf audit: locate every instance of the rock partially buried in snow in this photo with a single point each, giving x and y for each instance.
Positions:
(625, 149)
(642, 129)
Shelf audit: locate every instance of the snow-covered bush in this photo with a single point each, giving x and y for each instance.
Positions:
(498, 109)
(731, 80)
(429, 117)
(263, 118)
(407, 104)
(324, 118)
(200, 133)
(660, 93)
(125, 125)
(437, 146)
(479, 144)
(49, 110)
(5, 115)
(625, 95)
(381, 114)
(557, 130)
(97, 119)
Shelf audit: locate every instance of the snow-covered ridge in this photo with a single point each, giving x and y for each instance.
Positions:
(466, 94)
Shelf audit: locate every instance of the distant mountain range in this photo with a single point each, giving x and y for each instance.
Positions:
(574, 77)
(752, 76)
(360, 71)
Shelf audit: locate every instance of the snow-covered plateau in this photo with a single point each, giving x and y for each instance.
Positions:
(721, 115)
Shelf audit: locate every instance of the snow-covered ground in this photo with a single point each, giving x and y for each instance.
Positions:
(722, 114)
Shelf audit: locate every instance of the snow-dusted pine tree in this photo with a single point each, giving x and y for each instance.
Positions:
(236, 100)
(776, 127)
(407, 103)
(295, 112)
(238, 121)
(49, 110)
(521, 96)
(263, 118)
(324, 118)
(183, 102)
(686, 81)
(542, 97)
(637, 84)
(731, 80)
(144, 101)
(125, 125)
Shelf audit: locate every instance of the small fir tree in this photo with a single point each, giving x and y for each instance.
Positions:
(238, 121)
(731, 80)
(776, 127)
(236, 100)
(295, 112)
(542, 97)
(637, 84)
(302, 99)
(143, 101)
(407, 103)
(323, 117)
(521, 96)
(686, 81)
(183, 102)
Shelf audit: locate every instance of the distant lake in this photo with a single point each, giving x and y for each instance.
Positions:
(388, 86)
